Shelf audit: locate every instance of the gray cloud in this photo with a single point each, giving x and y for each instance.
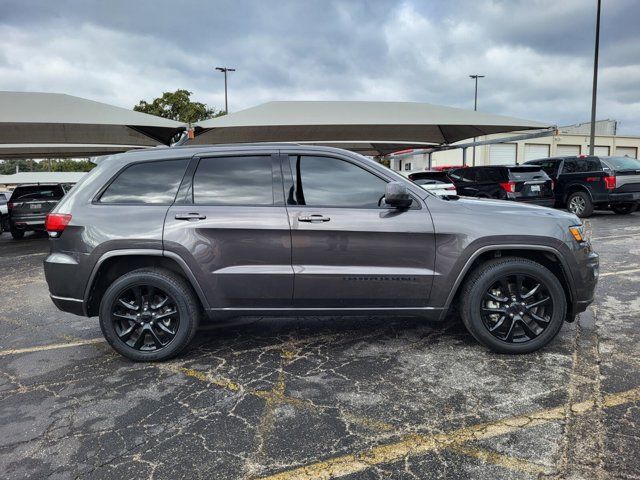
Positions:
(536, 55)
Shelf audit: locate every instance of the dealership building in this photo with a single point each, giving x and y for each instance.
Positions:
(569, 140)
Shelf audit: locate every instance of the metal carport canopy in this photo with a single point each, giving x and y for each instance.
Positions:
(401, 124)
(53, 124)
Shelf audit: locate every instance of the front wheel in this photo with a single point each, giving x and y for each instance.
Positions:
(513, 305)
(149, 315)
(624, 208)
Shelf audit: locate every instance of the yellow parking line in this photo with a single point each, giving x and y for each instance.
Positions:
(420, 444)
(495, 458)
(202, 376)
(620, 272)
(54, 346)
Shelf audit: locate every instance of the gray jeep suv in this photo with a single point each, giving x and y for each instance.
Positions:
(153, 241)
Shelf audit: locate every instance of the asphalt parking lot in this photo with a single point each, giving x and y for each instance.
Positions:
(298, 398)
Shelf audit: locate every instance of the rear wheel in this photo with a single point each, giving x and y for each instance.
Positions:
(15, 233)
(579, 203)
(624, 208)
(513, 305)
(149, 315)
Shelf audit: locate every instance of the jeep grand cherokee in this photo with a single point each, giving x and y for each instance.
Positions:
(153, 241)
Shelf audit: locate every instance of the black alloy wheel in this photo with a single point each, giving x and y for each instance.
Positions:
(513, 305)
(150, 314)
(516, 308)
(145, 318)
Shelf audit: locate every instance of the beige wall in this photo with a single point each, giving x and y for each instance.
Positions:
(454, 157)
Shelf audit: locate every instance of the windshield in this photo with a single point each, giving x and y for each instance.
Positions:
(622, 163)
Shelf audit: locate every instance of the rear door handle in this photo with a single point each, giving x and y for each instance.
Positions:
(313, 218)
(190, 216)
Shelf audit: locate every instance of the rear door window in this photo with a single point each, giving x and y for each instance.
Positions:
(465, 175)
(146, 183)
(550, 167)
(589, 164)
(570, 165)
(234, 181)
(494, 175)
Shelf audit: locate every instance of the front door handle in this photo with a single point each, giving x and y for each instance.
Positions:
(190, 216)
(316, 217)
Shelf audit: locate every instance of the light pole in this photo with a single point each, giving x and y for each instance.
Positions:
(225, 70)
(475, 108)
(592, 138)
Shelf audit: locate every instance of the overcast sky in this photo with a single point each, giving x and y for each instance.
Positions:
(536, 54)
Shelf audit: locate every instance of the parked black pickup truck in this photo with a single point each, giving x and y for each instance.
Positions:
(585, 183)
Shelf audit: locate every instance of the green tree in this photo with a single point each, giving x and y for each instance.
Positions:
(8, 167)
(178, 106)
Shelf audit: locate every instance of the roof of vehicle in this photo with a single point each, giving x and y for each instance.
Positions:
(191, 150)
(29, 185)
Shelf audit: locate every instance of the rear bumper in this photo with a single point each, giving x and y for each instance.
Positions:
(65, 281)
(624, 197)
(27, 222)
(71, 305)
(543, 202)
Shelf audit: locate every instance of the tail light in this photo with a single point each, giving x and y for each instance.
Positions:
(452, 187)
(553, 184)
(9, 205)
(508, 186)
(609, 182)
(55, 223)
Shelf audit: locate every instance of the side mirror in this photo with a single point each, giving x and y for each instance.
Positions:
(397, 196)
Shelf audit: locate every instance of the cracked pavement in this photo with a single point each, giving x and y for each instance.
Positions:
(307, 397)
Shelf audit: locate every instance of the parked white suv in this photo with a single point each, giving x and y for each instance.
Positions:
(432, 181)
(4, 210)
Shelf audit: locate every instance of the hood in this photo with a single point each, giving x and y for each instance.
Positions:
(508, 207)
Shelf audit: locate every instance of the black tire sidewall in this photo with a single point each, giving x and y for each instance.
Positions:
(588, 209)
(623, 208)
(17, 234)
(184, 302)
(487, 276)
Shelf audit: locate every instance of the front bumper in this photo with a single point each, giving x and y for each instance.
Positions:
(585, 281)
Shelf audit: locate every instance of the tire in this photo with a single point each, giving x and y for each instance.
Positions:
(16, 234)
(157, 283)
(474, 305)
(579, 203)
(624, 208)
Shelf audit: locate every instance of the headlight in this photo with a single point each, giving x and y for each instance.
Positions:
(578, 233)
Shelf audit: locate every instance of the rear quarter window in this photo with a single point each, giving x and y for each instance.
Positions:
(146, 183)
